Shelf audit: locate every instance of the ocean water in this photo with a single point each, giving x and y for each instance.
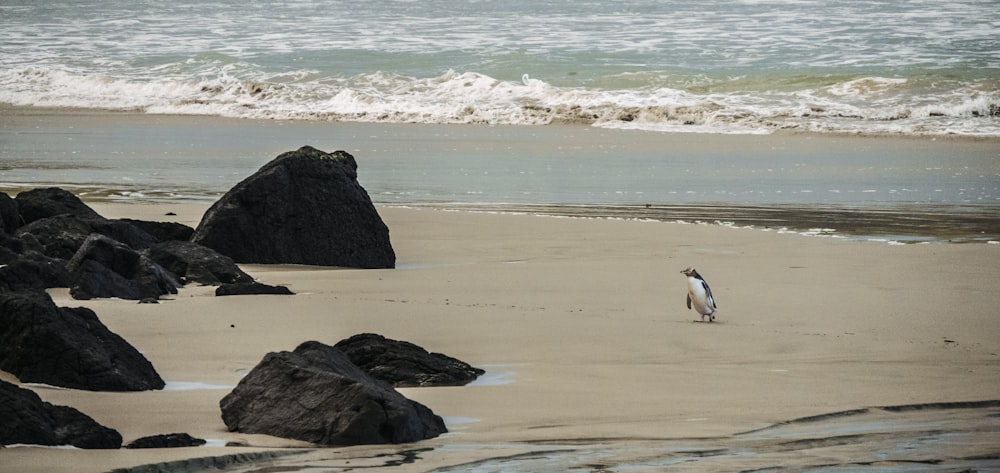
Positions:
(914, 67)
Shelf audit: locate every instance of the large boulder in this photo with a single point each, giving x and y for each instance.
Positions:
(403, 364)
(303, 207)
(68, 347)
(48, 202)
(317, 395)
(103, 267)
(26, 419)
(195, 263)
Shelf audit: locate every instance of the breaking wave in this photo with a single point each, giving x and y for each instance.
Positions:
(654, 101)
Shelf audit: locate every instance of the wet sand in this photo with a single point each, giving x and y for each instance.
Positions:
(594, 358)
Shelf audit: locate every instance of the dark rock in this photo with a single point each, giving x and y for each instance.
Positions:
(9, 220)
(48, 202)
(78, 429)
(15, 246)
(26, 419)
(7, 255)
(68, 347)
(196, 263)
(317, 395)
(167, 441)
(33, 271)
(250, 288)
(61, 236)
(403, 364)
(103, 267)
(303, 207)
(162, 231)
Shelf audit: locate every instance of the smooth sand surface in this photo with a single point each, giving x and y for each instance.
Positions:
(584, 321)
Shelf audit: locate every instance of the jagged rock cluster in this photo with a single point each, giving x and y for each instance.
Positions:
(304, 207)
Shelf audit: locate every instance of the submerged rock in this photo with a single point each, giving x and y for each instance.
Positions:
(404, 364)
(316, 394)
(303, 207)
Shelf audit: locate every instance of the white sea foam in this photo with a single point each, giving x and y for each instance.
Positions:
(474, 98)
(920, 67)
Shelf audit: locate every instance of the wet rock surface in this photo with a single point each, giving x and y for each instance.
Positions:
(403, 364)
(317, 395)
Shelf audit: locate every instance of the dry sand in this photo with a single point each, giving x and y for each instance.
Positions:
(584, 322)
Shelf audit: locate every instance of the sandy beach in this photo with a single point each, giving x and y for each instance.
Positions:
(582, 327)
(546, 170)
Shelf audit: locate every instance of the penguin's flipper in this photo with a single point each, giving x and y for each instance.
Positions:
(689, 300)
(708, 292)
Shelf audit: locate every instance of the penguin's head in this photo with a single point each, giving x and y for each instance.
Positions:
(690, 272)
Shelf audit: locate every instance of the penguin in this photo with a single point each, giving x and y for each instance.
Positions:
(700, 295)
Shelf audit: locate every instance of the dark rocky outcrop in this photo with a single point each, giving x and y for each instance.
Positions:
(195, 263)
(26, 419)
(42, 203)
(404, 364)
(62, 235)
(317, 395)
(303, 207)
(69, 347)
(162, 231)
(250, 288)
(33, 271)
(9, 219)
(103, 267)
(167, 441)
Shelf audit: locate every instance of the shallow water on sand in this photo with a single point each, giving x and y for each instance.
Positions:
(854, 185)
(892, 439)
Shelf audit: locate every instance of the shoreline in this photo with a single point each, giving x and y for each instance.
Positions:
(904, 223)
(11, 110)
(389, 177)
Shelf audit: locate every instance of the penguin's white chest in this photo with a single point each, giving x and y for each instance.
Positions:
(700, 300)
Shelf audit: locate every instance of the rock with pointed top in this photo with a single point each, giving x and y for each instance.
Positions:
(68, 347)
(303, 207)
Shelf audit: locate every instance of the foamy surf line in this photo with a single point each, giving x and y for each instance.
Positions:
(922, 223)
(863, 104)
